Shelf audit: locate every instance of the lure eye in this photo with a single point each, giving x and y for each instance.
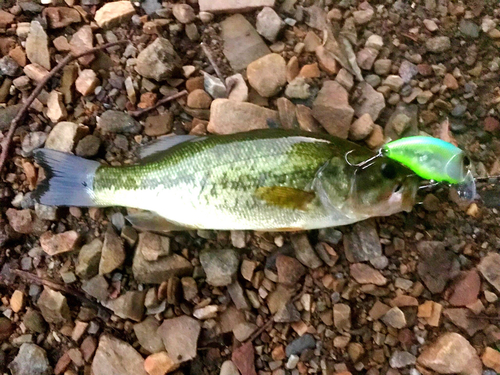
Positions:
(388, 170)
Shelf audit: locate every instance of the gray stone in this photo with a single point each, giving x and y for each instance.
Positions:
(242, 43)
(489, 267)
(237, 295)
(156, 272)
(88, 146)
(8, 114)
(115, 356)
(298, 89)
(304, 251)
(469, 28)
(269, 24)
(9, 67)
(214, 86)
(63, 136)
(129, 305)
(89, 257)
(34, 321)
(297, 346)
(180, 337)
(438, 44)
(220, 266)
(400, 359)
(113, 252)
(363, 243)
(436, 266)
(96, 287)
(46, 212)
(403, 122)
(147, 335)
(228, 368)
(117, 122)
(53, 306)
(31, 360)
(407, 71)
(151, 6)
(158, 60)
(233, 6)
(37, 48)
(368, 100)
(183, 13)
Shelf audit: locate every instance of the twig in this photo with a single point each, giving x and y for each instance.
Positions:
(140, 112)
(210, 56)
(38, 89)
(61, 288)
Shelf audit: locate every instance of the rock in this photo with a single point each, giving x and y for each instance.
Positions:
(361, 128)
(489, 267)
(228, 117)
(342, 316)
(34, 321)
(17, 301)
(267, 75)
(465, 319)
(242, 43)
(491, 359)
(159, 364)
(54, 244)
(35, 72)
(368, 100)
(436, 265)
(228, 368)
(20, 220)
(9, 67)
(403, 122)
(269, 24)
(180, 337)
(438, 44)
(244, 359)
(362, 17)
(86, 82)
(82, 41)
(277, 299)
(31, 360)
(244, 330)
(465, 290)
(115, 356)
(32, 141)
(150, 6)
(113, 13)
(63, 136)
(310, 71)
(7, 115)
(60, 17)
(6, 328)
(162, 269)
(363, 243)
(450, 354)
(366, 58)
(304, 251)
(158, 60)
(233, 6)
(183, 13)
(213, 85)
(159, 125)
(450, 82)
(238, 297)
(96, 287)
(395, 318)
(326, 60)
(37, 46)
(129, 305)
(364, 274)
(88, 146)
(237, 88)
(147, 335)
(287, 113)
(199, 99)
(331, 108)
(53, 306)
(288, 313)
(153, 246)
(113, 253)
(117, 122)
(6, 18)
(469, 28)
(56, 111)
(491, 124)
(297, 346)
(220, 266)
(290, 270)
(394, 82)
(400, 359)
(298, 89)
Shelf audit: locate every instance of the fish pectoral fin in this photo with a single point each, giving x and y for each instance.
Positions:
(152, 222)
(155, 150)
(285, 197)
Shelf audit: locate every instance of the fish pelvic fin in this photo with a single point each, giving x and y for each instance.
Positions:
(151, 222)
(69, 179)
(285, 197)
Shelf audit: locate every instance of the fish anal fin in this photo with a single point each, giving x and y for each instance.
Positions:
(152, 222)
(285, 197)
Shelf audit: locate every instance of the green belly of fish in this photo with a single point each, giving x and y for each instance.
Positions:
(215, 183)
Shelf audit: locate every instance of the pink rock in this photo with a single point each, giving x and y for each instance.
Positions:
(243, 358)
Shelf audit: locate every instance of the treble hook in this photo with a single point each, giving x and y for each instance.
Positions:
(363, 164)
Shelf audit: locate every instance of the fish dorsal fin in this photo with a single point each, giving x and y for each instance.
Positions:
(285, 197)
(154, 150)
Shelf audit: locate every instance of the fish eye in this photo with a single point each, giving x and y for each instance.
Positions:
(388, 170)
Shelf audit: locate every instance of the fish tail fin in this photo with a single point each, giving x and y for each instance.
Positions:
(69, 179)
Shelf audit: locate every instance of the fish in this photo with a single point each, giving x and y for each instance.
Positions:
(263, 180)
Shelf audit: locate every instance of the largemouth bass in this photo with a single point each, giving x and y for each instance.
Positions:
(268, 180)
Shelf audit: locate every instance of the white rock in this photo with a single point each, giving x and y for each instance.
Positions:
(269, 24)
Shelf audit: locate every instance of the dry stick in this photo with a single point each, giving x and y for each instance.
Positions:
(59, 287)
(208, 52)
(38, 89)
(140, 112)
